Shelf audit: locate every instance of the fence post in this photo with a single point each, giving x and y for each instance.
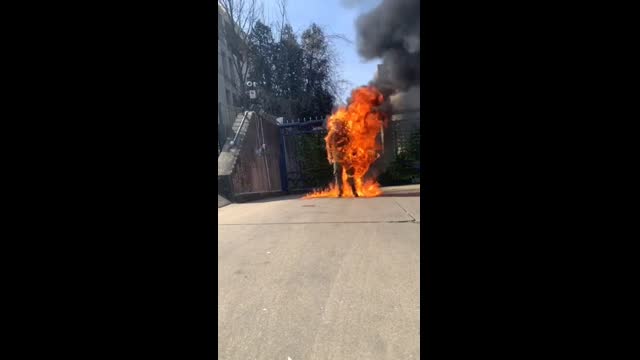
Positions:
(284, 181)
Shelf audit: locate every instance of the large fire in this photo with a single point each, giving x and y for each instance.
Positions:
(359, 125)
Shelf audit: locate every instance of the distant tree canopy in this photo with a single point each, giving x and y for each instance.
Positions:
(316, 61)
(294, 78)
(261, 55)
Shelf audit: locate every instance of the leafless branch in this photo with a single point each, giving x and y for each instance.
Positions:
(282, 10)
(340, 37)
(241, 17)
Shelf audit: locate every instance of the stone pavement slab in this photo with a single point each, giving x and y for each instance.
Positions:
(296, 210)
(319, 291)
(411, 205)
(319, 279)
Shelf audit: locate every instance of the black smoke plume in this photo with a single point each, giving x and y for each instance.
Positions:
(391, 32)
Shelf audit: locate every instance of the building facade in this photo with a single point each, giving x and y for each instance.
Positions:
(228, 82)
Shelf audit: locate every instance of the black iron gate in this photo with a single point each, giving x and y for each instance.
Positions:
(303, 163)
(402, 150)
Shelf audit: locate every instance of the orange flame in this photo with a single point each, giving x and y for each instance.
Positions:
(352, 141)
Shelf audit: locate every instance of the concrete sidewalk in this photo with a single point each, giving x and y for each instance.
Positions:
(320, 278)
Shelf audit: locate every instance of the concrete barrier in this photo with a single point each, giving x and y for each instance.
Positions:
(222, 201)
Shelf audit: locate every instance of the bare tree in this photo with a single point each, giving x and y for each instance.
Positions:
(241, 15)
(342, 37)
(337, 85)
(282, 12)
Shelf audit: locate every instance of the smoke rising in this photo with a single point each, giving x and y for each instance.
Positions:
(350, 4)
(406, 101)
(391, 32)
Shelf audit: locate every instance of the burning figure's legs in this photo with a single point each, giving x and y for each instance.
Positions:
(337, 170)
(357, 183)
(349, 180)
(344, 180)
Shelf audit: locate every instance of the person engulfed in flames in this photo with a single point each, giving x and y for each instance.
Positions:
(352, 146)
(337, 142)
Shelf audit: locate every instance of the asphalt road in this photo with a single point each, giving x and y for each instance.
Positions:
(320, 278)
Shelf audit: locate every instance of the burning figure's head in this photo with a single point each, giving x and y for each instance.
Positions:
(352, 145)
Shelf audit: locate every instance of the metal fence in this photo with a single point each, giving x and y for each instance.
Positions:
(400, 163)
(304, 158)
(404, 132)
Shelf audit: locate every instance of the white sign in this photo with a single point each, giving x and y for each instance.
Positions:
(252, 94)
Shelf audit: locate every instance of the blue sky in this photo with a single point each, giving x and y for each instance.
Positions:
(336, 18)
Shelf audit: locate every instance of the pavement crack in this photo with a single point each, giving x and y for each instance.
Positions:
(328, 222)
(406, 212)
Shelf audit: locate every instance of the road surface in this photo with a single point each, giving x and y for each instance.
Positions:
(320, 278)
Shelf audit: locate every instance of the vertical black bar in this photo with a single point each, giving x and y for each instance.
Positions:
(283, 163)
